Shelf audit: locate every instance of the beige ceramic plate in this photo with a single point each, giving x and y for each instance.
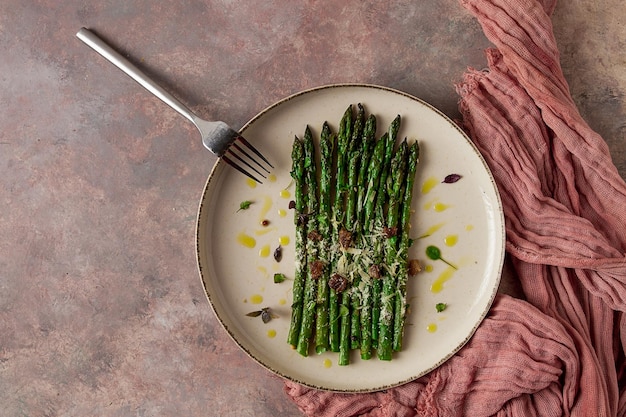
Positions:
(463, 219)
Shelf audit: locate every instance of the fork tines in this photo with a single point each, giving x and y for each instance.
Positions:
(240, 154)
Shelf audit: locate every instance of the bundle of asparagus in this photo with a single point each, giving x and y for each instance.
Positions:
(352, 238)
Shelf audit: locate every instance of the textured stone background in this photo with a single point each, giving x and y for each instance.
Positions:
(101, 308)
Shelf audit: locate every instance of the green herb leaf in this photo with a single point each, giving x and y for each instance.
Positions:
(434, 253)
(441, 307)
(279, 277)
(244, 205)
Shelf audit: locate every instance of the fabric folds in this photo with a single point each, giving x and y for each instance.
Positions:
(561, 350)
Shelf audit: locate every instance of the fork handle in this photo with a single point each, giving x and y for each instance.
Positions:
(92, 40)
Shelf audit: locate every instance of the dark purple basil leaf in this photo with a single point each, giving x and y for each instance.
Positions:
(278, 253)
(452, 178)
(266, 316)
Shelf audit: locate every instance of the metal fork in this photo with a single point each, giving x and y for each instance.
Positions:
(217, 137)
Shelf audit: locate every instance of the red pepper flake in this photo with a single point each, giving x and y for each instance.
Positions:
(390, 232)
(414, 267)
(303, 219)
(375, 272)
(345, 238)
(337, 282)
(317, 269)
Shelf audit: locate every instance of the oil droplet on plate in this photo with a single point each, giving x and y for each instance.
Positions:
(451, 240)
(282, 213)
(432, 328)
(271, 178)
(447, 273)
(428, 268)
(246, 240)
(282, 301)
(262, 270)
(251, 183)
(283, 240)
(256, 299)
(264, 231)
(327, 363)
(271, 333)
(285, 194)
(432, 229)
(265, 251)
(439, 207)
(267, 205)
(429, 184)
(469, 227)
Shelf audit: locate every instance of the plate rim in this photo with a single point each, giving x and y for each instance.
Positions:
(219, 166)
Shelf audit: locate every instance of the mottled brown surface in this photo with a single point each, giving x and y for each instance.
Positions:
(101, 308)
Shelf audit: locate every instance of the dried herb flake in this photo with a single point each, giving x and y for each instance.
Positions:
(265, 313)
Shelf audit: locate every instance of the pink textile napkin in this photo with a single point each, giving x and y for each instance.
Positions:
(559, 352)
